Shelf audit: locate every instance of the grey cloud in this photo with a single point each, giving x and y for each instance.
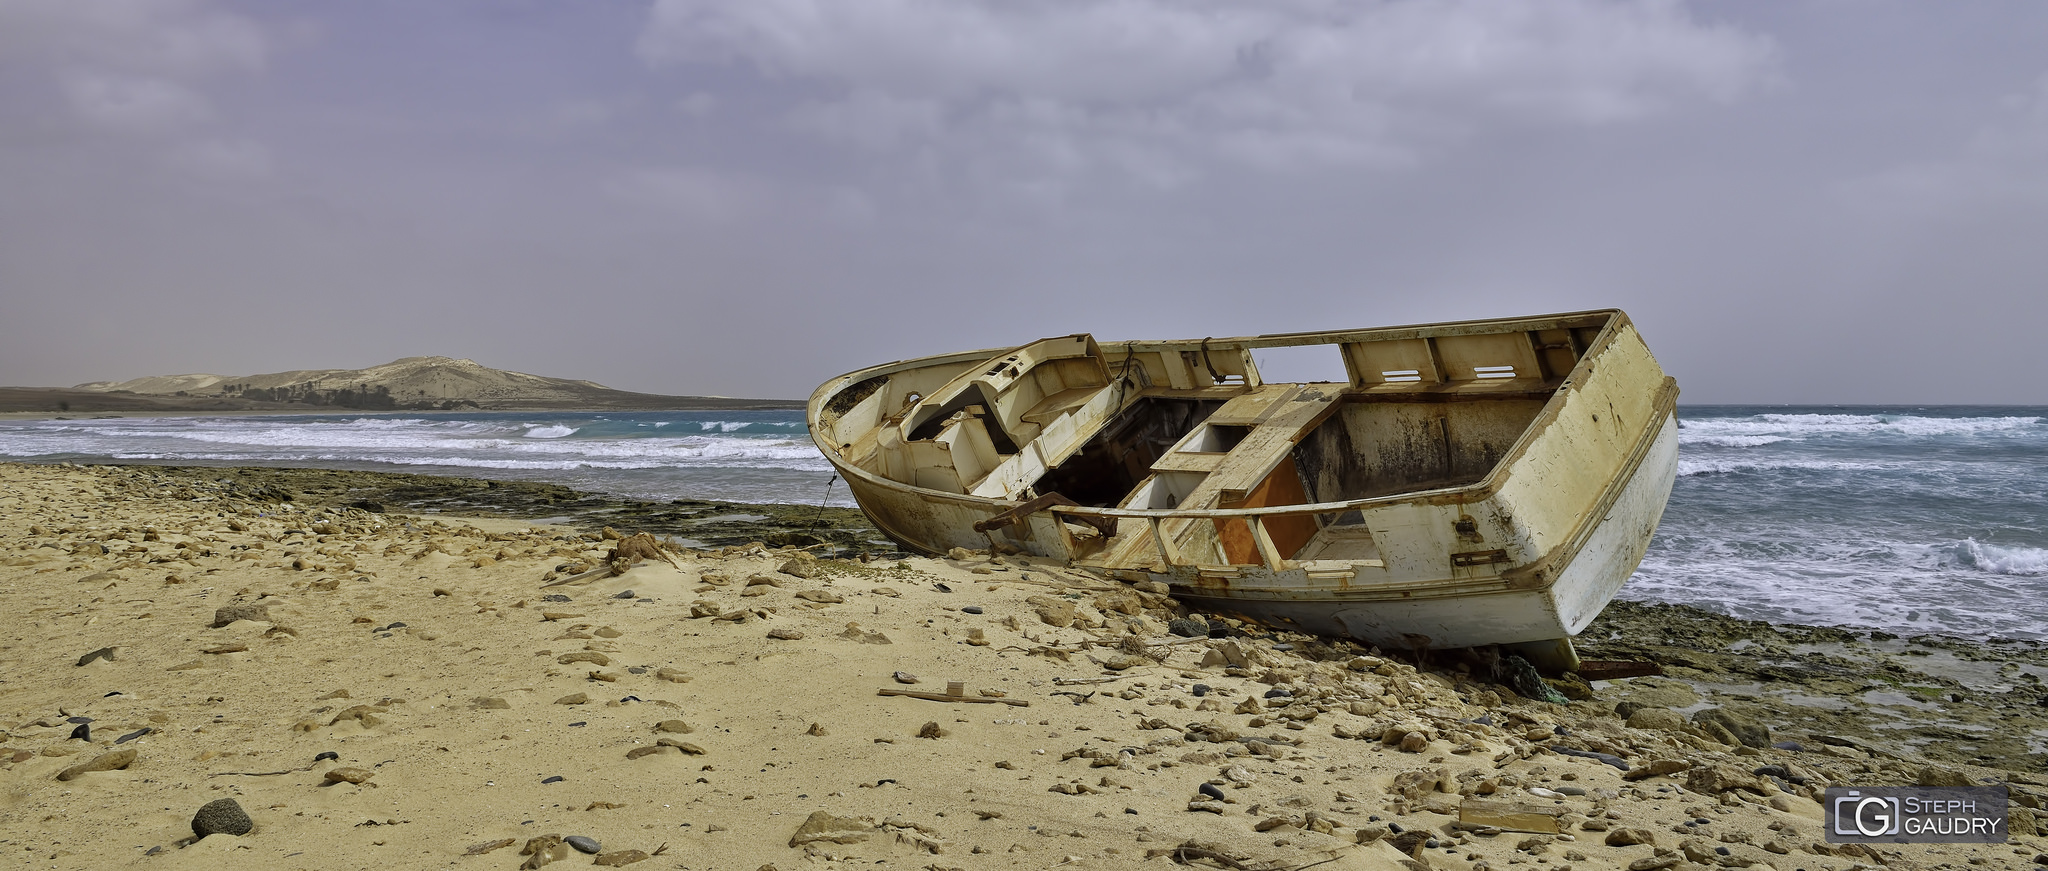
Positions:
(1287, 84)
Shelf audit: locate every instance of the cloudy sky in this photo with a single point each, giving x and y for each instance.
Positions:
(1796, 201)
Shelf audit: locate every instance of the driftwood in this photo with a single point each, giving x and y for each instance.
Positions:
(942, 697)
(628, 552)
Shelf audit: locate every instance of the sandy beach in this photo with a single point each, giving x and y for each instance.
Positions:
(395, 690)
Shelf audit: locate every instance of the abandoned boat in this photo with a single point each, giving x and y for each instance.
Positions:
(1475, 483)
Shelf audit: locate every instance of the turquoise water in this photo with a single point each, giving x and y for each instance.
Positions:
(1910, 519)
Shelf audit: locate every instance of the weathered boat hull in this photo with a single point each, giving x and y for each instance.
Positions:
(1486, 482)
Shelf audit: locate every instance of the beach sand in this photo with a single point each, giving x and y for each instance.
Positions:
(724, 713)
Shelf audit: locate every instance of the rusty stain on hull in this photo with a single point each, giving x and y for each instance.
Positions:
(1479, 482)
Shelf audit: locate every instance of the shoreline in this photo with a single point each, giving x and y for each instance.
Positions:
(769, 405)
(424, 650)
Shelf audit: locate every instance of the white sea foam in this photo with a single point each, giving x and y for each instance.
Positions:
(1793, 426)
(550, 432)
(1688, 466)
(1686, 437)
(1995, 559)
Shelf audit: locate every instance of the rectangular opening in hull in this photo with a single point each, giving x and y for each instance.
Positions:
(1121, 455)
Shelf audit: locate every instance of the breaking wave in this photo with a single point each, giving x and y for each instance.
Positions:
(1762, 429)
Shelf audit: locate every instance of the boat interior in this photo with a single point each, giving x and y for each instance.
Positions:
(1191, 424)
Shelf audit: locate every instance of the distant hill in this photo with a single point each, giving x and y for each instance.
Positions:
(410, 383)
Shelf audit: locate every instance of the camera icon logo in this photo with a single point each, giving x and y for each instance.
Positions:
(1869, 816)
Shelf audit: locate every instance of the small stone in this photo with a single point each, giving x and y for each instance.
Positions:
(1188, 627)
(1656, 718)
(672, 675)
(106, 653)
(786, 634)
(222, 816)
(822, 826)
(823, 597)
(1936, 775)
(1628, 836)
(589, 656)
(1712, 779)
(1414, 742)
(1656, 768)
(349, 774)
(114, 761)
(931, 730)
(492, 704)
(674, 727)
(582, 844)
(904, 677)
(1725, 724)
(573, 699)
(244, 611)
(619, 857)
(644, 752)
(971, 609)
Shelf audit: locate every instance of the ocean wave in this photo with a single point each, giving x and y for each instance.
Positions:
(1686, 437)
(1995, 559)
(553, 431)
(1791, 426)
(1689, 467)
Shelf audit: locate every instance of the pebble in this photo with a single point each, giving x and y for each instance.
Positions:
(114, 761)
(222, 816)
(1607, 758)
(904, 677)
(106, 653)
(555, 779)
(244, 611)
(786, 634)
(583, 844)
(971, 609)
(83, 732)
(625, 595)
(1200, 690)
(349, 774)
(1211, 790)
